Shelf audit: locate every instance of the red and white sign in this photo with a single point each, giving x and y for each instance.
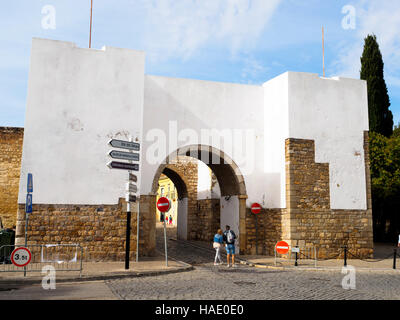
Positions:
(282, 247)
(256, 208)
(163, 204)
(21, 257)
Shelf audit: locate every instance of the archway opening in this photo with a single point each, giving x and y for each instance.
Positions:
(210, 193)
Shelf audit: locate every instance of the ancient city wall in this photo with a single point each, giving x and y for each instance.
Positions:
(308, 220)
(99, 229)
(11, 140)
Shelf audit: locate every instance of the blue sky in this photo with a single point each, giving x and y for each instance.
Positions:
(243, 41)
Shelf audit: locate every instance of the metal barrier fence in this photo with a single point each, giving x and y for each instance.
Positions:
(63, 257)
(309, 253)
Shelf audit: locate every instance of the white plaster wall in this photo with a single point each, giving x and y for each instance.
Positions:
(230, 216)
(196, 105)
(77, 100)
(334, 113)
(276, 130)
(80, 98)
(182, 219)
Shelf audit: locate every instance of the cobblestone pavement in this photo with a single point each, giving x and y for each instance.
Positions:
(219, 282)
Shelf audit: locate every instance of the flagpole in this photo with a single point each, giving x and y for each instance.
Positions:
(91, 17)
(323, 52)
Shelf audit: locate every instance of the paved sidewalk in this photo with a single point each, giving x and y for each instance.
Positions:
(336, 264)
(377, 264)
(104, 271)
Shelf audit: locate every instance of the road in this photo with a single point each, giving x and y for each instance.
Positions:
(209, 282)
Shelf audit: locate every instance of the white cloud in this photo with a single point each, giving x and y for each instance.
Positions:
(383, 19)
(180, 27)
(253, 70)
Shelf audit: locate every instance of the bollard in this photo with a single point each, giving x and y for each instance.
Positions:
(295, 262)
(345, 256)
(394, 258)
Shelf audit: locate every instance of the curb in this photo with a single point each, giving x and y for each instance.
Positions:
(100, 277)
(290, 268)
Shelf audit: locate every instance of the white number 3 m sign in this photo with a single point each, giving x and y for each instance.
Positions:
(21, 257)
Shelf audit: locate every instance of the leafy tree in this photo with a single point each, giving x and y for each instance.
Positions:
(372, 70)
(385, 182)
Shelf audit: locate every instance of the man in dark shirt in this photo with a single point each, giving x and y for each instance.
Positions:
(229, 238)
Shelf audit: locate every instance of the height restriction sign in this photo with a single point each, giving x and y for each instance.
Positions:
(21, 257)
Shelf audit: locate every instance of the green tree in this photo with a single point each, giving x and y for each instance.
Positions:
(385, 182)
(380, 117)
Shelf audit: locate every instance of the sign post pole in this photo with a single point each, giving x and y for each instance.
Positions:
(28, 208)
(137, 232)
(165, 242)
(131, 187)
(256, 209)
(256, 237)
(128, 234)
(163, 205)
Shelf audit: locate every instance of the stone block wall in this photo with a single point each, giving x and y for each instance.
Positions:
(308, 220)
(269, 231)
(11, 141)
(186, 169)
(208, 219)
(99, 229)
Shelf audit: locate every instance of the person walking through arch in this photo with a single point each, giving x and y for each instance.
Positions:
(229, 238)
(218, 242)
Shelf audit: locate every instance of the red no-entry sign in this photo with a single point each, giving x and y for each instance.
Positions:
(282, 247)
(256, 208)
(163, 204)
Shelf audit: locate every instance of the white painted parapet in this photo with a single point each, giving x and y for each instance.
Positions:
(78, 99)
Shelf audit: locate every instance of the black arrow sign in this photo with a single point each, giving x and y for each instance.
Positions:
(125, 144)
(124, 155)
(123, 165)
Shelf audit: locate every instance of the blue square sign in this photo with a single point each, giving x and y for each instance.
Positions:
(28, 205)
(29, 187)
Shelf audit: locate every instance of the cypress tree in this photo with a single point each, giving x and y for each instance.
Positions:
(380, 117)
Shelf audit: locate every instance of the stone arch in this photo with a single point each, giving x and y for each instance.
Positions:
(228, 175)
(227, 172)
(178, 181)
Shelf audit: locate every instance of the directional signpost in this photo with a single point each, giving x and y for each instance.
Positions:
(124, 144)
(163, 205)
(130, 187)
(123, 165)
(124, 155)
(28, 208)
(256, 209)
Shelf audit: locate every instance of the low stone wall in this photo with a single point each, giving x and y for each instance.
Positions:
(99, 229)
(11, 140)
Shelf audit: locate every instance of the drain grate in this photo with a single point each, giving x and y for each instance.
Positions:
(244, 283)
(7, 289)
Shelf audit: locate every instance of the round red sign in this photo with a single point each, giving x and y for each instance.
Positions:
(21, 257)
(282, 247)
(163, 204)
(256, 208)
